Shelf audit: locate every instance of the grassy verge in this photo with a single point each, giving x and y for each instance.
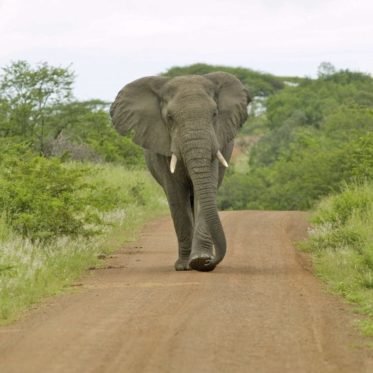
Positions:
(32, 269)
(341, 242)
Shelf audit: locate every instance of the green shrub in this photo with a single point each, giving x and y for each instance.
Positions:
(40, 200)
(358, 158)
(87, 124)
(311, 167)
(235, 192)
(338, 209)
(31, 269)
(341, 241)
(114, 187)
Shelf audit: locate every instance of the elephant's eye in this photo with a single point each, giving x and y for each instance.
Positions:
(215, 113)
(170, 117)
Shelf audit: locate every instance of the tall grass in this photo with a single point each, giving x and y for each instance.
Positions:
(341, 241)
(33, 269)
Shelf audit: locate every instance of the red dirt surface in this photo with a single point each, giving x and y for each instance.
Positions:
(261, 310)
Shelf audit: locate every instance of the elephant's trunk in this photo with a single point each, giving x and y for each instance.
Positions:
(198, 152)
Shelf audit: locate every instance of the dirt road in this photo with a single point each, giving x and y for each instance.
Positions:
(261, 310)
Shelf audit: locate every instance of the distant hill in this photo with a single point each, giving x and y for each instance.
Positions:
(259, 83)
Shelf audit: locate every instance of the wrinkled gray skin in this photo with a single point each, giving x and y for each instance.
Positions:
(192, 117)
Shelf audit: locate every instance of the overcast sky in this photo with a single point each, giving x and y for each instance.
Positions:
(112, 42)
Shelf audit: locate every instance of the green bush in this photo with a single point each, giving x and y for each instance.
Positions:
(341, 241)
(40, 200)
(309, 169)
(107, 191)
(88, 124)
(358, 158)
(236, 192)
(338, 209)
(31, 269)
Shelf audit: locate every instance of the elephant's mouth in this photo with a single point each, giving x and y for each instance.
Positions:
(173, 162)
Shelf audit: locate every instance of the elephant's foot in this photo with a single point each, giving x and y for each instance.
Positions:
(182, 265)
(201, 262)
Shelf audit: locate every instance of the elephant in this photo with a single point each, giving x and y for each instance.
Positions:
(186, 126)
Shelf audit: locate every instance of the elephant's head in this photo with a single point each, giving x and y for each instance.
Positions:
(190, 119)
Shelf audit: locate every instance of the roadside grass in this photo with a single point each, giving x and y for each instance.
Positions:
(341, 243)
(31, 270)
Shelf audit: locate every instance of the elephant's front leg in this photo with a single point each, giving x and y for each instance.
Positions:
(202, 246)
(179, 201)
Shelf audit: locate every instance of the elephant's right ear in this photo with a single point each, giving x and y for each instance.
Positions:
(137, 108)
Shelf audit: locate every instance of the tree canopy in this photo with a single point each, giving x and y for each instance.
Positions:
(38, 107)
(259, 84)
(316, 136)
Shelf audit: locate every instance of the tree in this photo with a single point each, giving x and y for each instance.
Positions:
(325, 69)
(319, 136)
(82, 130)
(29, 93)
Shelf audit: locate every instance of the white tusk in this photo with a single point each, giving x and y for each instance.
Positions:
(222, 159)
(173, 163)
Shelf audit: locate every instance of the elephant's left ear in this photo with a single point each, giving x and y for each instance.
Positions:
(232, 100)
